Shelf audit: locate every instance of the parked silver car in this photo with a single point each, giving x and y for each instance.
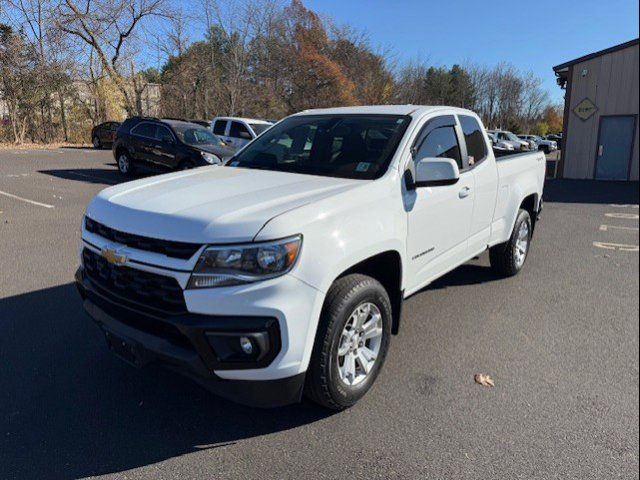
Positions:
(511, 139)
(546, 146)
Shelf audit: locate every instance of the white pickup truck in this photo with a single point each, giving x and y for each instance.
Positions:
(284, 272)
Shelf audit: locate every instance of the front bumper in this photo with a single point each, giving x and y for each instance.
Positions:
(182, 342)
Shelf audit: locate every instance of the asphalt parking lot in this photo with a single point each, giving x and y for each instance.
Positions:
(560, 341)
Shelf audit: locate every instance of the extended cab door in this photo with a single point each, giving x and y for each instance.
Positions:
(438, 217)
(481, 162)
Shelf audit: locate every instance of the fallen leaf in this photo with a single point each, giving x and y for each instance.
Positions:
(484, 380)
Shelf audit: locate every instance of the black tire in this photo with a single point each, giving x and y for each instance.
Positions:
(186, 165)
(503, 257)
(323, 384)
(130, 169)
(96, 143)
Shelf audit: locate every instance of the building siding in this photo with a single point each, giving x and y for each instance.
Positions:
(612, 84)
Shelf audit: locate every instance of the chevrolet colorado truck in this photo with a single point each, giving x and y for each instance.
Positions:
(283, 272)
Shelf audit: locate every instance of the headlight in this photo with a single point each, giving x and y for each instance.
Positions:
(211, 158)
(227, 265)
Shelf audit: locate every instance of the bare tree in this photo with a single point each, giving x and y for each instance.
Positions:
(106, 26)
(534, 100)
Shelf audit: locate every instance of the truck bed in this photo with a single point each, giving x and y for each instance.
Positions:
(519, 175)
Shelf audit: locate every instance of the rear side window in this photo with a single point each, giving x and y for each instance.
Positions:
(441, 142)
(219, 127)
(145, 130)
(474, 138)
(237, 130)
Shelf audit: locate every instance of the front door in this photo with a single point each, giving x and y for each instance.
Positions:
(615, 144)
(439, 217)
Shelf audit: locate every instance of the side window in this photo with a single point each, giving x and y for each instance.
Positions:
(145, 130)
(238, 130)
(219, 127)
(473, 137)
(164, 135)
(441, 142)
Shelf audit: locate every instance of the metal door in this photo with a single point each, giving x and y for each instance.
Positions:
(615, 147)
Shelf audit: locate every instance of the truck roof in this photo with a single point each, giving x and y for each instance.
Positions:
(382, 110)
(243, 119)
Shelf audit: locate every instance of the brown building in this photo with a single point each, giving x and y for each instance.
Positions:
(601, 114)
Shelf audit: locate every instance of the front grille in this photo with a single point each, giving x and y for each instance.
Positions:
(166, 247)
(155, 294)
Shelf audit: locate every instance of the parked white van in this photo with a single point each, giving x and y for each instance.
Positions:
(237, 132)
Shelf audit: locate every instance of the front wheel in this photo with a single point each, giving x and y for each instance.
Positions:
(508, 258)
(96, 143)
(351, 342)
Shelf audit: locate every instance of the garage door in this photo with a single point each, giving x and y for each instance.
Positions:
(615, 144)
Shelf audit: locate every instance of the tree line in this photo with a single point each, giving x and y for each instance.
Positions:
(66, 65)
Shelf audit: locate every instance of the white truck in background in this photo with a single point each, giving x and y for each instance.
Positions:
(237, 132)
(285, 271)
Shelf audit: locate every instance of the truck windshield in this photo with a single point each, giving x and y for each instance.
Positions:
(346, 146)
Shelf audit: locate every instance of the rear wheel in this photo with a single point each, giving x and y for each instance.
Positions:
(96, 143)
(508, 258)
(125, 165)
(351, 342)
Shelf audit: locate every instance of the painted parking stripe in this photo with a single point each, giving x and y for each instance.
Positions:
(606, 228)
(26, 200)
(616, 246)
(626, 216)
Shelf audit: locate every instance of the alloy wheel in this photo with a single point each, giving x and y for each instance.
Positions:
(359, 344)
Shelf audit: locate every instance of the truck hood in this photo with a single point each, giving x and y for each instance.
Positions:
(209, 204)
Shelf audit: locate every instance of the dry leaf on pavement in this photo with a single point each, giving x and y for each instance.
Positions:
(484, 380)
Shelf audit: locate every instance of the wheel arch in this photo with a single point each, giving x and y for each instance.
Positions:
(530, 204)
(386, 268)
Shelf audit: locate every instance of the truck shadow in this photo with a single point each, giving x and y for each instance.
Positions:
(467, 274)
(591, 191)
(68, 409)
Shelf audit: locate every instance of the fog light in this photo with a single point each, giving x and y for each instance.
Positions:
(246, 345)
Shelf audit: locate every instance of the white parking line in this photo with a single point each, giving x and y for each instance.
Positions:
(616, 246)
(26, 200)
(624, 206)
(626, 216)
(606, 228)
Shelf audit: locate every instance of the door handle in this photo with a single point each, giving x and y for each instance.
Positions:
(464, 193)
(600, 149)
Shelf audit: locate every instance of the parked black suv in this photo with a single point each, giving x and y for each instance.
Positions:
(163, 144)
(102, 135)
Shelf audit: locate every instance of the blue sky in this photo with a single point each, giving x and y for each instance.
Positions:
(531, 35)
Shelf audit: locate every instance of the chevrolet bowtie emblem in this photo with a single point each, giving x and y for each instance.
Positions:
(112, 256)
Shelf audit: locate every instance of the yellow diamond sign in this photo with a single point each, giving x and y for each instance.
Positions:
(585, 109)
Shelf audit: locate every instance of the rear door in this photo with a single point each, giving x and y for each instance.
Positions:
(439, 217)
(485, 175)
(615, 147)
